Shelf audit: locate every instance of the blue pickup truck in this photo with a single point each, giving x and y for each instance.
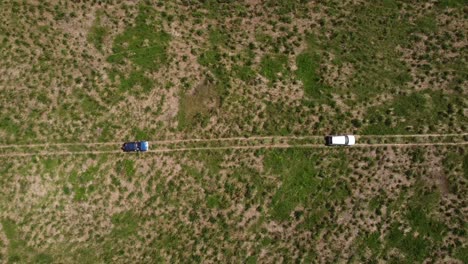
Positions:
(137, 146)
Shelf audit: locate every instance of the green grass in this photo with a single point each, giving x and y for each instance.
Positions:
(191, 206)
(16, 244)
(85, 254)
(127, 167)
(303, 181)
(367, 243)
(273, 64)
(281, 118)
(81, 184)
(43, 258)
(211, 159)
(10, 126)
(421, 205)
(418, 155)
(286, 6)
(263, 38)
(43, 98)
(461, 253)
(243, 184)
(244, 72)
(367, 41)
(90, 105)
(375, 203)
(195, 109)
(453, 162)
(214, 201)
(97, 33)
(217, 37)
(411, 113)
(425, 225)
(415, 249)
(212, 59)
(136, 83)
(218, 10)
(465, 166)
(51, 164)
(426, 24)
(125, 224)
(9, 228)
(372, 241)
(453, 159)
(418, 213)
(141, 133)
(308, 64)
(142, 44)
(451, 3)
(18, 251)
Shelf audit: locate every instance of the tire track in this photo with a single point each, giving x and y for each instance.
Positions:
(157, 142)
(410, 144)
(60, 144)
(414, 135)
(164, 150)
(59, 153)
(262, 146)
(253, 138)
(283, 146)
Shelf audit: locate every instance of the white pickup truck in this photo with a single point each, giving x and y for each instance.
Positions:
(340, 140)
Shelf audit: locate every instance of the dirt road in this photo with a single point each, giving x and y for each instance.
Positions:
(159, 142)
(253, 138)
(413, 135)
(231, 147)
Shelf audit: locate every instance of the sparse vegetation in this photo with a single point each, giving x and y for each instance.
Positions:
(97, 33)
(196, 107)
(95, 73)
(272, 65)
(414, 112)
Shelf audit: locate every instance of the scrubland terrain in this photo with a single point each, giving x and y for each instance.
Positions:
(234, 97)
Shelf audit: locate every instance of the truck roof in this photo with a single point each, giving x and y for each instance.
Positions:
(338, 140)
(144, 145)
(343, 140)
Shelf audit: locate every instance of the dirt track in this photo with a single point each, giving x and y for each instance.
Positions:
(414, 135)
(162, 141)
(253, 138)
(232, 147)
